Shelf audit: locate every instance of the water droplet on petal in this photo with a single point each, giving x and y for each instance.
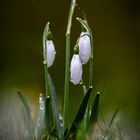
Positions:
(81, 82)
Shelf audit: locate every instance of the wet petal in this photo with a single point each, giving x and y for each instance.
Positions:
(76, 69)
(50, 52)
(84, 47)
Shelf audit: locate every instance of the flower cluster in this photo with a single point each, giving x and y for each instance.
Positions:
(82, 52)
(81, 56)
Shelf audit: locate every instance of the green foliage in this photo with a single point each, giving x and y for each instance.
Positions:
(49, 115)
(80, 115)
(56, 110)
(113, 117)
(41, 117)
(51, 124)
(94, 112)
(30, 121)
(109, 132)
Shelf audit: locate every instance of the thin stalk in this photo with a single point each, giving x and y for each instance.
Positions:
(45, 59)
(46, 80)
(66, 86)
(44, 39)
(89, 107)
(91, 62)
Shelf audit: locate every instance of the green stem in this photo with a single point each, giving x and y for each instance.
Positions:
(90, 75)
(89, 107)
(45, 58)
(46, 80)
(66, 88)
(91, 62)
(45, 32)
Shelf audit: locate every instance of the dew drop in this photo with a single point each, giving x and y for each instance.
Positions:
(90, 112)
(60, 117)
(81, 82)
(41, 107)
(41, 102)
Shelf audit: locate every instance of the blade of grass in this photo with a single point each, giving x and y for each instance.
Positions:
(85, 116)
(57, 114)
(30, 120)
(113, 117)
(49, 115)
(80, 115)
(66, 86)
(94, 112)
(41, 116)
(25, 103)
(45, 32)
(84, 24)
(84, 89)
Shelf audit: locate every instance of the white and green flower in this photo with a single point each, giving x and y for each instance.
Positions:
(76, 69)
(50, 52)
(84, 47)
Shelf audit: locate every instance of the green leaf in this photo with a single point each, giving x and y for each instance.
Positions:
(49, 115)
(80, 115)
(113, 117)
(84, 24)
(53, 133)
(84, 89)
(94, 112)
(57, 114)
(45, 32)
(30, 120)
(25, 103)
(41, 116)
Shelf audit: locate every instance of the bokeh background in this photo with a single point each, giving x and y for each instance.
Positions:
(116, 30)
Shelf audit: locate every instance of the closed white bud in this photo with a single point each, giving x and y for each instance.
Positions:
(84, 47)
(76, 69)
(50, 52)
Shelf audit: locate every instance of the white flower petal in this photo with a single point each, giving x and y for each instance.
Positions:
(76, 69)
(50, 52)
(84, 47)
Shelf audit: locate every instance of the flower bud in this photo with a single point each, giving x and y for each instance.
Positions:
(50, 52)
(76, 69)
(84, 47)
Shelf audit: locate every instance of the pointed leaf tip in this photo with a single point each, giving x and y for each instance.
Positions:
(80, 115)
(49, 115)
(55, 106)
(94, 112)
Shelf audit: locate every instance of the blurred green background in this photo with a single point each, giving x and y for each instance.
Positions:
(116, 31)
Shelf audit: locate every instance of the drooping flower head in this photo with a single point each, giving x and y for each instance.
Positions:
(84, 47)
(49, 50)
(76, 69)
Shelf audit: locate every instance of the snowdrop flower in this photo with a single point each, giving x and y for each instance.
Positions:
(76, 69)
(49, 51)
(84, 47)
